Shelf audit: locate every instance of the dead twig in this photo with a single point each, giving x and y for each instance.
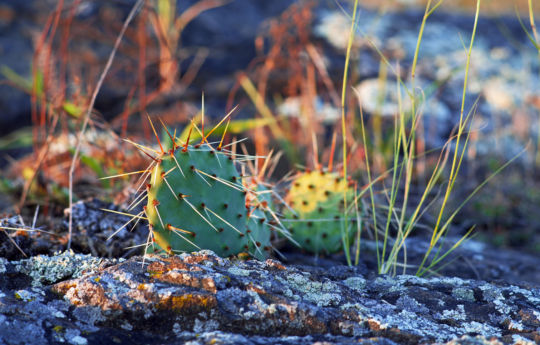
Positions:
(128, 20)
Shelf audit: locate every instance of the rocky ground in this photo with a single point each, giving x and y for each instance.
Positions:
(200, 298)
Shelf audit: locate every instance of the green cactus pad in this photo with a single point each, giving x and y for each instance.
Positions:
(196, 200)
(315, 218)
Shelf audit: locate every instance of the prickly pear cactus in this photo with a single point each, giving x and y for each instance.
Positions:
(316, 214)
(196, 200)
(258, 203)
(259, 233)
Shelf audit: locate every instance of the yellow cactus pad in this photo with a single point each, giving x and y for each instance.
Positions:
(310, 189)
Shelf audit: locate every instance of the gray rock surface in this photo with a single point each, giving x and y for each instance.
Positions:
(200, 298)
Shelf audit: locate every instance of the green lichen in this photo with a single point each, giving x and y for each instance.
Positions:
(463, 294)
(322, 294)
(45, 270)
(355, 283)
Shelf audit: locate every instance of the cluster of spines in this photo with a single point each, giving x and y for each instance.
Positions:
(260, 200)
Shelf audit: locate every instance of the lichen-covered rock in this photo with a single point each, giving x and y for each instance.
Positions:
(45, 270)
(200, 298)
(202, 292)
(98, 230)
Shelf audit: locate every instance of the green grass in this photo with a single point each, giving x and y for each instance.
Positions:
(400, 220)
(346, 244)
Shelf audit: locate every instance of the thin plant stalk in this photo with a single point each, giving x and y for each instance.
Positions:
(370, 185)
(359, 228)
(408, 154)
(457, 158)
(533, 27)
(437, 259)
(405, 229)
(395, 178)
(108, 65)
(411, 139)
(343, 121)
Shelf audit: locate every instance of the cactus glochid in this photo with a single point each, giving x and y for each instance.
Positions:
(315, 217)
(197, 200)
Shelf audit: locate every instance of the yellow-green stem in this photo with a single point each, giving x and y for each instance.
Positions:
(453, 170)
(343, 119)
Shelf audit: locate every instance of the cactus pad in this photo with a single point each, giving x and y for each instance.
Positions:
(315, 217)
(258, 203)
(196, 200)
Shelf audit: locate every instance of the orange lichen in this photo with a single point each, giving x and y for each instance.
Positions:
(187, 279)
(186, 302)
(243, 256)
(168, 264)
(275, 264)
(255, 289)
(63, 287)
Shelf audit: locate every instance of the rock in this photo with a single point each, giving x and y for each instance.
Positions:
(104, 233)
(383, 99)
(200, 298)
(379, 97)
(325, 112)
(96, 231)
(471, 260)
(45, 270)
